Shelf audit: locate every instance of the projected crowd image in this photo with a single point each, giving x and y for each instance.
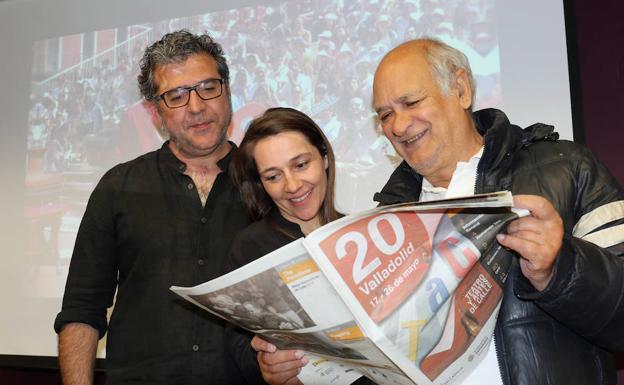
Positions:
(318, 56)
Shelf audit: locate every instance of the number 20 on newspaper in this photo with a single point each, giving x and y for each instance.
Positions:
(382, 258)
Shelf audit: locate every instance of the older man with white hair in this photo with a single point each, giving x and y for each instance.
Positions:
(563, 304)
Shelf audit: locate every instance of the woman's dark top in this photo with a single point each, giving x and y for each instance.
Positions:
(255, 241)
(261, 238)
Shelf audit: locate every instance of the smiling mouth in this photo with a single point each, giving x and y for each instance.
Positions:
(301, 198)
(417, 137)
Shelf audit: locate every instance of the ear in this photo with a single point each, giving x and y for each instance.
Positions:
(325, 162)
(463, 89)
(152, 110)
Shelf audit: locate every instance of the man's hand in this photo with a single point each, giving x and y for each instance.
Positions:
(278, 367)
(537, 238)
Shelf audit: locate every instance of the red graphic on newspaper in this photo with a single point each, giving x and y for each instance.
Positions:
(473, 302)
(382, 258)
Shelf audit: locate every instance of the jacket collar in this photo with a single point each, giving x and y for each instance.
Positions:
(502, 139)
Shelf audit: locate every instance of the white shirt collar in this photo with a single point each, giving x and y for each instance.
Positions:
(462, 182)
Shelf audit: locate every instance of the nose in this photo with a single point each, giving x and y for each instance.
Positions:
(292, 183)
(400, 125)
(195, 104)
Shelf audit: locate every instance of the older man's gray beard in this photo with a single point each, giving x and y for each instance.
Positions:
(424, 165)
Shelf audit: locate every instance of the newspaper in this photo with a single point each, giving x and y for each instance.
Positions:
(402, 294)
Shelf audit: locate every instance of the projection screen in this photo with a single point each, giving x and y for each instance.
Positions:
(71, 109)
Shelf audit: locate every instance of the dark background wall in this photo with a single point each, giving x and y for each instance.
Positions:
(600, 37)
(600, 106)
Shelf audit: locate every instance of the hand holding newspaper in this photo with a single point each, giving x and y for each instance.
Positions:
(403, 294)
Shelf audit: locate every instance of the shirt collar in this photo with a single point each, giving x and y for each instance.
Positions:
(170, 159)
(472, 162)
(291, 228)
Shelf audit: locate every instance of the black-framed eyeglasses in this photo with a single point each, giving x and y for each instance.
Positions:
(179, 97)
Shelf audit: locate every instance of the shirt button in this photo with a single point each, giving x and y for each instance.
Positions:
(195, 348)
(190, 186)
(200, 262)
(204, 220)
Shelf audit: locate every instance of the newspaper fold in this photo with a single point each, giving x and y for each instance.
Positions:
(403, 294)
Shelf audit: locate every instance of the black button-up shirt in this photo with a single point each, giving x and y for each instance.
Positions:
(144, 230)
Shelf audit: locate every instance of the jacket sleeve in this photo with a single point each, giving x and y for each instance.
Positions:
(586, 292)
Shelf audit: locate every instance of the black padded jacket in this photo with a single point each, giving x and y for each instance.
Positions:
(565, 334)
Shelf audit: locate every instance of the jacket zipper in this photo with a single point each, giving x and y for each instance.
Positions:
(479, 176)
(502, 373)
(502, 369)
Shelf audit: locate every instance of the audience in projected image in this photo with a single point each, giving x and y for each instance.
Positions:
(314, 56)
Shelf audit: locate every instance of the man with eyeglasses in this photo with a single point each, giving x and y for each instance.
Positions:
(164, 218)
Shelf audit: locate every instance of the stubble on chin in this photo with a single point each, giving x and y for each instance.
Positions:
(424, 167)
(180, 143)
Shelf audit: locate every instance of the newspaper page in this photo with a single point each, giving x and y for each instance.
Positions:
(424, 281)
(403, 294)
(288, 301)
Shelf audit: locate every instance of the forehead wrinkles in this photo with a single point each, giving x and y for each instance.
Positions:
(185, 73)
(393, 89)
(391, 80)
(403, 79)
(382, 89)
